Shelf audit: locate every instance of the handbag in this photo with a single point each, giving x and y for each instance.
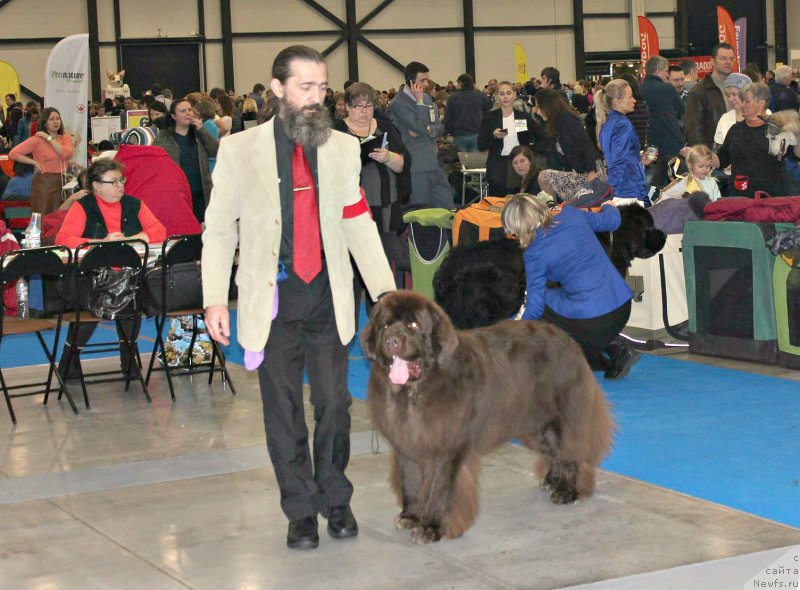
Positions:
(184, 288)
(113, 293)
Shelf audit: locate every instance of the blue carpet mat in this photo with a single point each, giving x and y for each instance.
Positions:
(721, 435)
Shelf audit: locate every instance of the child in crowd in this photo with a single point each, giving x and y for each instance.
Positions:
(699, 179)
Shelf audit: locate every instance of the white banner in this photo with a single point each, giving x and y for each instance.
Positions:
(66, 88)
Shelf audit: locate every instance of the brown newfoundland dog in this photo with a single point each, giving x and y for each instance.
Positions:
(443, 397)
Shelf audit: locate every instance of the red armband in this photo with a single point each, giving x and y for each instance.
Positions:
(358, 208)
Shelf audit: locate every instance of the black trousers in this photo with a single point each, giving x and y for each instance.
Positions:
(304, 336)
(594, 335)
(497, 176)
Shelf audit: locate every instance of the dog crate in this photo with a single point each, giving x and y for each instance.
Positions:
(729, 293)
(429, 239)
(645, 279)
(786, 285)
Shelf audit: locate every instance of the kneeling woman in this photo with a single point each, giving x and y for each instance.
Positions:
(106, 214)
(591, 301)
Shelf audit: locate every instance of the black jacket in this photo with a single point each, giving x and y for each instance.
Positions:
(666, 108)
(464, 111)
(577, 152)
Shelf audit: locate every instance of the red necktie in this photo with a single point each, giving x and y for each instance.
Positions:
(307, 244)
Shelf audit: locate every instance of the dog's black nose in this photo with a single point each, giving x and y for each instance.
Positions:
(393, 343)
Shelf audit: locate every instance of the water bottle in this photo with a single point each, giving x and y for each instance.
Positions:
(22, 299)
(33, 233)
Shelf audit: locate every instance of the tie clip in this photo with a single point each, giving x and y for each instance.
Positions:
(302, 188)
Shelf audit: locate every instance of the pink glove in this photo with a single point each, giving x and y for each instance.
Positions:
(253, 360)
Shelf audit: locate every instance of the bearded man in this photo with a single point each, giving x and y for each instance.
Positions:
(287, 192)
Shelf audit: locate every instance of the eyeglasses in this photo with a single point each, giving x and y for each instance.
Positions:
(363, 107)
(117, 181)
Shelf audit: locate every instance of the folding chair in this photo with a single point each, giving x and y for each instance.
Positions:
(473, 170)
(54, 263)
(169, 298)
(90, 258)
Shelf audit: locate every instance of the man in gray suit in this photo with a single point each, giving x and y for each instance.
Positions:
(417, 117)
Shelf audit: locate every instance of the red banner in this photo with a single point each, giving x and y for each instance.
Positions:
(705, 65)
(727, 34)
(648, 40)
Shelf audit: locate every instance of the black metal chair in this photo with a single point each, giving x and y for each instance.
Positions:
(91, 258)
(170, 297)
(53, 263)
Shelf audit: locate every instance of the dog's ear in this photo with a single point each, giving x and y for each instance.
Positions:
(443, 336)
(653, 243)
(110, 74)
(121, 74)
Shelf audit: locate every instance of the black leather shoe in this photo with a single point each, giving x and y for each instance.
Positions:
(303, 534)
(621, 363)
(341, 522)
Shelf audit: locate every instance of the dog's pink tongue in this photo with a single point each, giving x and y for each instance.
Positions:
(398, 373)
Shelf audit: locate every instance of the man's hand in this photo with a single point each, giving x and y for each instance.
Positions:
(418, 90)
(218, 323)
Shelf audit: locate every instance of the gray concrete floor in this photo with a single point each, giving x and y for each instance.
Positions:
(182, 495)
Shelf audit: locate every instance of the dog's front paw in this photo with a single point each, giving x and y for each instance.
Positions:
(549, 483)
(422, 535)
(405, 521)
(564, 494)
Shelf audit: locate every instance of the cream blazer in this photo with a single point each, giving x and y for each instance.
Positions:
(245, 210)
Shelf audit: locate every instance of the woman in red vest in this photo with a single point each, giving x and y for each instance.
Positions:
(105, 214)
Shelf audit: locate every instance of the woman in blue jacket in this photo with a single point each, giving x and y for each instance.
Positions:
(590, 300)
(619, 142)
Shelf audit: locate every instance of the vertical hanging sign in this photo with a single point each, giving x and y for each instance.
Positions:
(66, 88)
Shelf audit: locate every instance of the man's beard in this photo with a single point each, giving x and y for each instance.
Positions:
(310, 126)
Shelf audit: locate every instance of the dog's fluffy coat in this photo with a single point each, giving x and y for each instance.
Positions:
(468, 392)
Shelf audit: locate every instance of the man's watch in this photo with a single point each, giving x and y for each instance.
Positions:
(50, 138)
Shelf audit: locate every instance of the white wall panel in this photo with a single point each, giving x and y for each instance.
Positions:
(213, 20)
(494, 54)
(443, 53)
(105, 20)
(30, 62)
(253, 61)
(44, 18)
(154, 18)
(793, 23)
(607, 35)
(665, 27)
(606, 6)
(659, 5)
(420, 14)
(214, 67)
(286, 15)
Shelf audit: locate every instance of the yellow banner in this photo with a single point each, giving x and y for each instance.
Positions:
(9, 83)
(521, 64)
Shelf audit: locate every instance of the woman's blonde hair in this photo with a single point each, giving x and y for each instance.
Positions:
(249, 106)
(604, 100)
(523, 215)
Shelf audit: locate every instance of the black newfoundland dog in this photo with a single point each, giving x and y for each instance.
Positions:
(483, 283)
(443, 397)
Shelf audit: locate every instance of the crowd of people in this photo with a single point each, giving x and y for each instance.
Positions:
(331, 170)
